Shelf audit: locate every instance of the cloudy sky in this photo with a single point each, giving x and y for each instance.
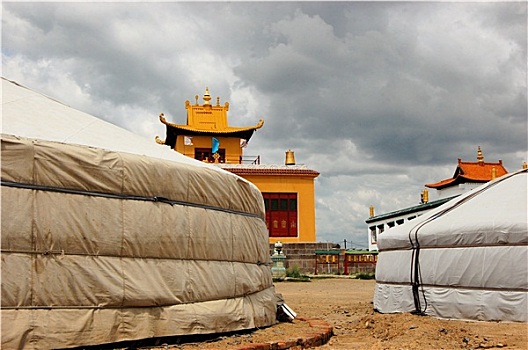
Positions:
(379, 97)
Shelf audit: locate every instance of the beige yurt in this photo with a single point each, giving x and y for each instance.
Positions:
(108, 237)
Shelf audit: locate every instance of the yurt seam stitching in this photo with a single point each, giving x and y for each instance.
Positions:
(63, 253)
(430, 285)
(127, 197)
(32, 339)
(480, 245)
(121, 260)
(118, 307)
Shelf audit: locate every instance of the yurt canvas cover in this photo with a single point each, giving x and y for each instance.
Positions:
(467, 259)
(100, 246)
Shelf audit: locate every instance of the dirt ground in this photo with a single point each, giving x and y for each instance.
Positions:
(346, 304)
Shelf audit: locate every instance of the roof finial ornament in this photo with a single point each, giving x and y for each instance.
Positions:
(290, 158)
(207, 97)
(480, 157)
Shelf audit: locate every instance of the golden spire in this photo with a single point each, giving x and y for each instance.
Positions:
(371, 210)
(425, 196)
(524, 166)
(207, 97)
(480, 157)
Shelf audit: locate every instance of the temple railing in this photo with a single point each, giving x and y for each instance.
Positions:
(249, 160)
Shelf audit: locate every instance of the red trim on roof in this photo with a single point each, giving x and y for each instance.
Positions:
(441, 184)
(271, 171)
(479, 172)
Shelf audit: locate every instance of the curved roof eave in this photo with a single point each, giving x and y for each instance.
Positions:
(441, 184)
(174, 130)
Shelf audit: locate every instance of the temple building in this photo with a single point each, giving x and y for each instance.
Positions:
(288, 190)
(467, 176)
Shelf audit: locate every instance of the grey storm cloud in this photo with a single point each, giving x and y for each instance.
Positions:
(379, 97)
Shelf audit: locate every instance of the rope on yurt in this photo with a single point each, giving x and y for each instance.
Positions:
(416, 275)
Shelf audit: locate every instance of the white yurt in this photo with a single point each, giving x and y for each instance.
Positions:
(467, 259)
(108, 237)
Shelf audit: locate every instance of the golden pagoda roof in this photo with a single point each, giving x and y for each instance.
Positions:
(186, 129)
(205, 120)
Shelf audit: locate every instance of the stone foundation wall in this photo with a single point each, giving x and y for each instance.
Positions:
(302, 255)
